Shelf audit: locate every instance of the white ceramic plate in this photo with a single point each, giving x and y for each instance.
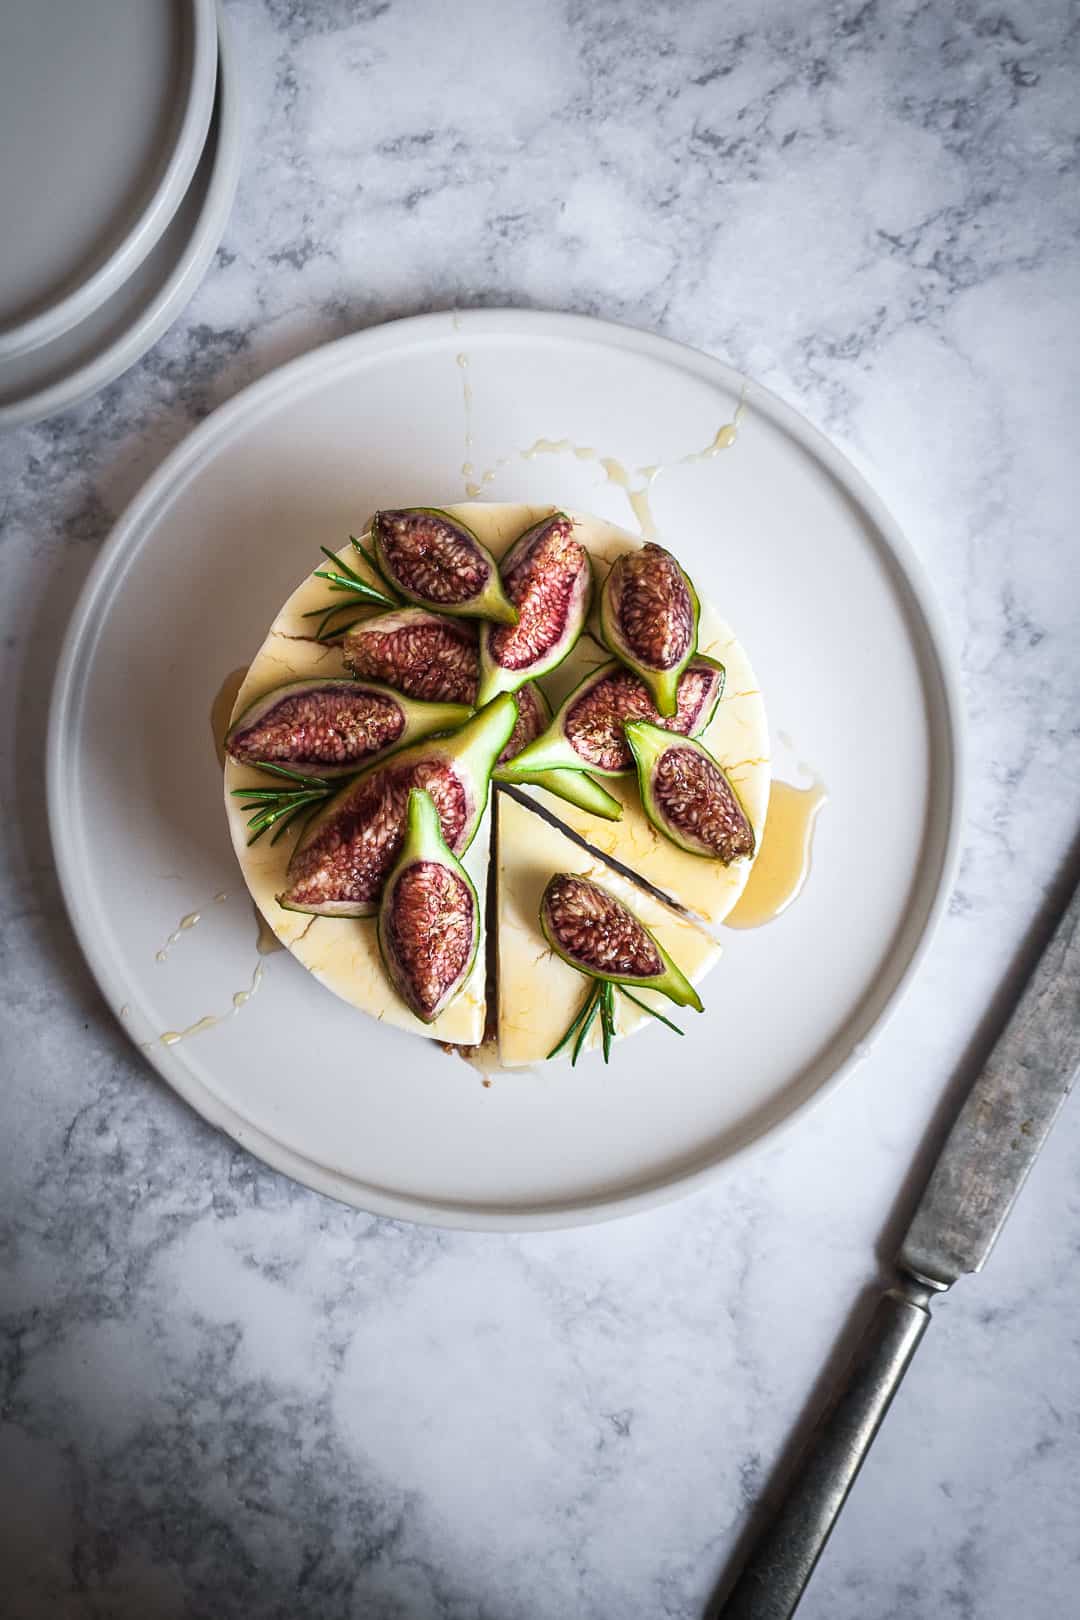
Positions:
(57, 375)
(781, 534)
(104, 110)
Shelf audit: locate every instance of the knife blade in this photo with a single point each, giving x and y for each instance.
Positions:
(979, 1172)
(1007, 1117)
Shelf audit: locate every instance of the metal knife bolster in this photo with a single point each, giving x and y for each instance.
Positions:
(1004, 1122)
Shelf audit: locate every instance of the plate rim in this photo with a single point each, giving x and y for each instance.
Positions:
(180, 285)
(153, 219)
(242, 410)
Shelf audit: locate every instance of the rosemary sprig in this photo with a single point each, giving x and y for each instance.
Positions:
(346, 571)
(285, 813)
(372, 562)
(572, 1031)
(601, 1000)
(325, 630)
(345, 581)
(316, 782)
(652, 1012)
(607, 1017)
(593, 1008)
(356, 587)
(342, 578)
(279, 807)
(336, 630)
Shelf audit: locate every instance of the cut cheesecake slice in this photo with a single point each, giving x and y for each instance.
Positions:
(539, 994)
(737, 737)
(342, 952)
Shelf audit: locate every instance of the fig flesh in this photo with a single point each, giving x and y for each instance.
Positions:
(340, 864)
(429, 916)
(534, 714)
(421, 654)
(595, 933)
(576, 786)
(687, 795)
(548, 578)
(649, 619)
(432, 559)
(333, 727)
(588, 733)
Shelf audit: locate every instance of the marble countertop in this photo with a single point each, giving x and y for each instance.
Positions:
(223, 1395)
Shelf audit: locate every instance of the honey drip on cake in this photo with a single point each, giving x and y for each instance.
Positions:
(222, 707)
(266, 941)
(783, 862)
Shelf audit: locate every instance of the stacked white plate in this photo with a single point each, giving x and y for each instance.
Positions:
(120, 128)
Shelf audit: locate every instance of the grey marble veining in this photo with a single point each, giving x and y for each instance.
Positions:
(221, 1395)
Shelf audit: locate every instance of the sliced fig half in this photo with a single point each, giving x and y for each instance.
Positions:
(334, 727)
(649, 619)
(429, 916)
(534, 713)
(588, 733)
(434, 560)
(340, 864)
(419, 653)
(687, 796)
(548, 578)
(576, 787)
(594, 932)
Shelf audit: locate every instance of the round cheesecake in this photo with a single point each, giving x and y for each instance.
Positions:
(537, 993)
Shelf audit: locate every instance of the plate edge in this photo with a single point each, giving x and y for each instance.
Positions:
(181, 464)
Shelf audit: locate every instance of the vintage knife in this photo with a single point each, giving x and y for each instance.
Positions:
(986, 1158)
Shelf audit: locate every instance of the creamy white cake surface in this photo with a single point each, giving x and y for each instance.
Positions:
(539, 994)
(343, 953)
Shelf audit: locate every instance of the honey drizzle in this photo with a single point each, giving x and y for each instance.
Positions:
(173, 1037)
(222, 707)
(266, 941)
(185, 925)
(468, 471)
(783, 862)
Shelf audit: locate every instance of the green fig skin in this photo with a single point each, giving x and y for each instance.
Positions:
(591, 900)
(550, 544)
(427, 581)
(575, 787)
(340, 862)
(429, 916)
(650, 570)
(688, 796)
(553, 749)
(391, 716)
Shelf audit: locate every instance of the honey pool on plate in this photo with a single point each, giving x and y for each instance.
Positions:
(782, 865)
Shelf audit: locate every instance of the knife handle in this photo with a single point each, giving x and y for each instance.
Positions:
(782, 1560)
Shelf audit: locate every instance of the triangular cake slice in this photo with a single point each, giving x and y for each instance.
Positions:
(538, 993)
(737, 737)
(342, 952)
